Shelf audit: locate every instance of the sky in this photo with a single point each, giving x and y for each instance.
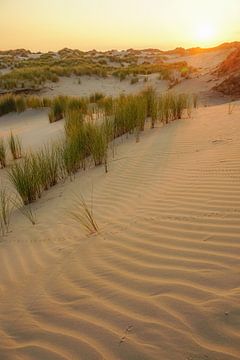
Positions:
(42, 25)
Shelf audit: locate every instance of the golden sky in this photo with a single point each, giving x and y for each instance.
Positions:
(119, 24)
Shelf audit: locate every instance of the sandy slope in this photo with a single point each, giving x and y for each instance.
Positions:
(205, 62)
(32, 127)
(161, 280)
(110, 86)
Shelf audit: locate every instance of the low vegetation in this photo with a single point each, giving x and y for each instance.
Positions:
(8, 203)
(15, 146)
(83, 214)
(5, 211)
(34, 73)
(88, 138)
(3, 153)
(19, 103)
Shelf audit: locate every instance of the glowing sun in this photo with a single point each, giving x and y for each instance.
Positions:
(205, 33)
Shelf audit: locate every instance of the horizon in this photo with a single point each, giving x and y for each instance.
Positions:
(112, 25)
(123, 49)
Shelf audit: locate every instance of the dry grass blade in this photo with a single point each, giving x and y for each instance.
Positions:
(25, 210)
(84, 215)
(3, 153)
(230, 108)
(15, 146)
(5, 211)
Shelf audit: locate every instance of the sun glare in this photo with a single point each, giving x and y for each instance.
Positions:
(205, 33)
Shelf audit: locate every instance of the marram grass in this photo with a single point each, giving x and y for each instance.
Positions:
(88, 141)
(83, 214)
(15, 146)
(3, 153)
(5, 211)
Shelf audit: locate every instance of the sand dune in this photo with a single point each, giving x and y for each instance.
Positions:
(160, 280)
(32, 126)
(110, 86)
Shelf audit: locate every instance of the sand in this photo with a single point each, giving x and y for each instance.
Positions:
(204, 62)
(201, 81)
(109, 86)
(32, 126)
(160, 280)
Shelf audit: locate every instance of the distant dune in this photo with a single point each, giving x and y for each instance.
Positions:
(77, 73)
(230, 69)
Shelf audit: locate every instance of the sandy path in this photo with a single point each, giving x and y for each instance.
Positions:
(161, 280)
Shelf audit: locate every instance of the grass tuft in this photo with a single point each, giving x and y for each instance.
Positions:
(3, 153)
(15, 146)
(5, 211)
(83, 214)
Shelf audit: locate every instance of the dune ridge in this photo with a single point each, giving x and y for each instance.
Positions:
(160, 280)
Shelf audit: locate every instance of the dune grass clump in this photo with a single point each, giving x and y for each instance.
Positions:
(129, 114)
(231, 107)
(87, 141)
(37, 172)
(106, 104)
(27, 76)
(76, 104)
(57, 109)
(172, 106)
(20, 103)
(56, 112)
(76, 147)
(63, 104)
(15, 146)
(152, 104)
(178, 104)
(73, 122)
(83, 214)
(25, 178)
(195, 101)
(84, 140)
(25, 210)
(97, 142)
(164, 106)
(134, 80)
(74, 154)
(141, 112)
(96, 97)
(48, 166)
(3, 154)
(7, 104)
(5, 211)
(36, 102)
